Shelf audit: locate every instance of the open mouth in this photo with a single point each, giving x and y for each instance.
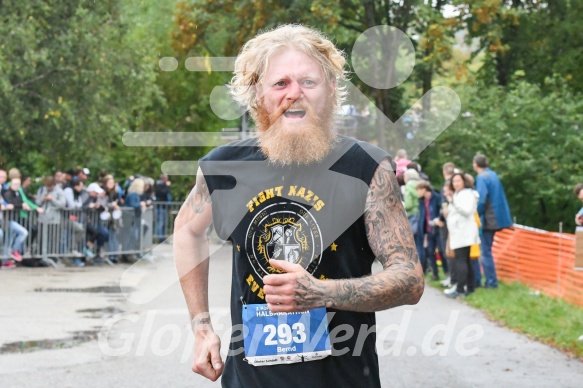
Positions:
(295, 113)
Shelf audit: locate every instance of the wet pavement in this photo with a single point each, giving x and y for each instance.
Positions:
(71, 327)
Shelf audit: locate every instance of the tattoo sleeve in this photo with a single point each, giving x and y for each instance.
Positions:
(391, 239)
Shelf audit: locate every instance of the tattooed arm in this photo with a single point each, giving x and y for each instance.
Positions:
(191, 253)
(391, 240)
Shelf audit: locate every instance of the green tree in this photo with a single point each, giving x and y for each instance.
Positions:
(71, 83)
(536, 37)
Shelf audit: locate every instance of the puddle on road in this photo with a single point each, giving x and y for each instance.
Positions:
(102, 313)
(102, 289)
(63, 343)
(78, 337)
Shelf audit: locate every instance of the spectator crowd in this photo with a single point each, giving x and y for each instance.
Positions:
(85, 214)
(453, 220)
(454, 223)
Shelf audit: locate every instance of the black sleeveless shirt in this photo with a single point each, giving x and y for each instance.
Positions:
(310, 215)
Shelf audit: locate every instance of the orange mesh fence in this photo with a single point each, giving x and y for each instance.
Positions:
(543, 260)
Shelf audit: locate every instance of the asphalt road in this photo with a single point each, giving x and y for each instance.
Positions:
(75, 327)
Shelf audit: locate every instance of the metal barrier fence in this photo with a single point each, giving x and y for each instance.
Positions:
(68, 233)
(164, 215)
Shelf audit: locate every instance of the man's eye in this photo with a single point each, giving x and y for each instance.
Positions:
(309, 82)
(280, 83)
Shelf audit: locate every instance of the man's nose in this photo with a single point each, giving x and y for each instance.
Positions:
(294, 91)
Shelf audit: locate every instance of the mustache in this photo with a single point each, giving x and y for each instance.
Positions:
(285, 106)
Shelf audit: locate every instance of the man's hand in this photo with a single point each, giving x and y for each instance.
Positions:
(25, 206)
(294, 290)
(9, 206)
(579, 220)
(40, 210)
(207, 356)
(48, 197)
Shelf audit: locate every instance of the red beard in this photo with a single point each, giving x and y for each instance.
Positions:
(296, 143)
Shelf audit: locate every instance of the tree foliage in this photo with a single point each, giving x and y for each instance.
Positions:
(533, 140)
(70, 82)
(538, 38)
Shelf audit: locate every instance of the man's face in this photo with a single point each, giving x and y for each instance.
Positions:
(3, 177)
(580, 196)
(420, 193)
(293, 77)
(295, 109)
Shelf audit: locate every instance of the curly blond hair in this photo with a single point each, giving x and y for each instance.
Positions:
(252, 62)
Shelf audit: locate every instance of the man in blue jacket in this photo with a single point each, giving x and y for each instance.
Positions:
(494, 214)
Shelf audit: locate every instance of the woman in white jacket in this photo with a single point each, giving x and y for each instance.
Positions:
(463, 232)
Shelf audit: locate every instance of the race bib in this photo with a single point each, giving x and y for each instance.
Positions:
(284, 338)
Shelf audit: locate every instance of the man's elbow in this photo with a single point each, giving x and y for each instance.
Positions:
(184, 228)
(182, 220)
(417, 293)
(417, 281)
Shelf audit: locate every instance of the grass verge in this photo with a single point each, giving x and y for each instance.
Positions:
(548, 320)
